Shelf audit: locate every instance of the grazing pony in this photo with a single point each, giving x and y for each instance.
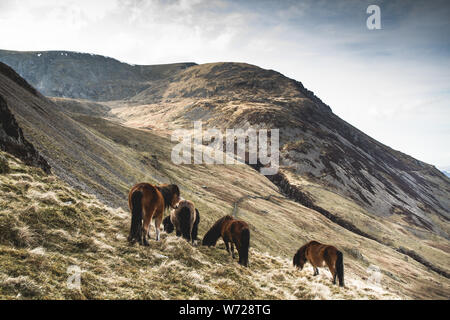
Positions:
(146, 202)
(184, 220)
(318, 255)
(231, 230)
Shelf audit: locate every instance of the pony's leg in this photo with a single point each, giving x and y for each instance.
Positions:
(332, 270)
(191, 226)
(232, 250)
(177, 228)
(157, 232)
(316, 271)
(240, 256)
(145, 233)
(145, 226)
(157, 226)
(132, 239)
(334, 274)
(227, 246)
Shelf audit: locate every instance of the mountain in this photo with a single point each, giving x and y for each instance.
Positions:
(327, 168)
(58, 73)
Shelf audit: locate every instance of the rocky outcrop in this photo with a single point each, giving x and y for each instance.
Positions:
(13, 141)
(85, 76)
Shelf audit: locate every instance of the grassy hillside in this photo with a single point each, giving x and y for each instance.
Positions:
(266, 215)
(80, 106)
(46, 226)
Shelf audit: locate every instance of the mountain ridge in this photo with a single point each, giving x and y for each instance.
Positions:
(42, 68)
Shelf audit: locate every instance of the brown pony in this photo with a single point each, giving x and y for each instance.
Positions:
(231, 230)
(146, 202)
(318, 255)
(184, 220)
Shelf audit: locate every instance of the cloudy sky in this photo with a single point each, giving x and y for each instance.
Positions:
(393, 83)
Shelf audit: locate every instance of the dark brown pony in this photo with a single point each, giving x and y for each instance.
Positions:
(231, 230)
(184, 220)
(318, 255)
(146, 202)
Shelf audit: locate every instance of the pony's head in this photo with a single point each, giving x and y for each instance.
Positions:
(171, 195)
(300, 258)
(168, 225)
(211, 237)
(175, 196)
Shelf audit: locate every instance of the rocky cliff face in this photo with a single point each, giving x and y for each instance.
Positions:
(85, 76)
(13, 141)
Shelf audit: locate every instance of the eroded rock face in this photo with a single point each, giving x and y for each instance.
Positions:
(85, 76)
(13, 141)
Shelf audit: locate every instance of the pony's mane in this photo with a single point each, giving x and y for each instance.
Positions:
(299, 254)
(211, 237)
(167, 191)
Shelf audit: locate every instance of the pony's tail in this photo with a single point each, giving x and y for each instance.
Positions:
(245, 244)
(295, 259)
(340, 268)
(136, 217)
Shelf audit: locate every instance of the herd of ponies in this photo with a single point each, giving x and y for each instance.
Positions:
(148, 202)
